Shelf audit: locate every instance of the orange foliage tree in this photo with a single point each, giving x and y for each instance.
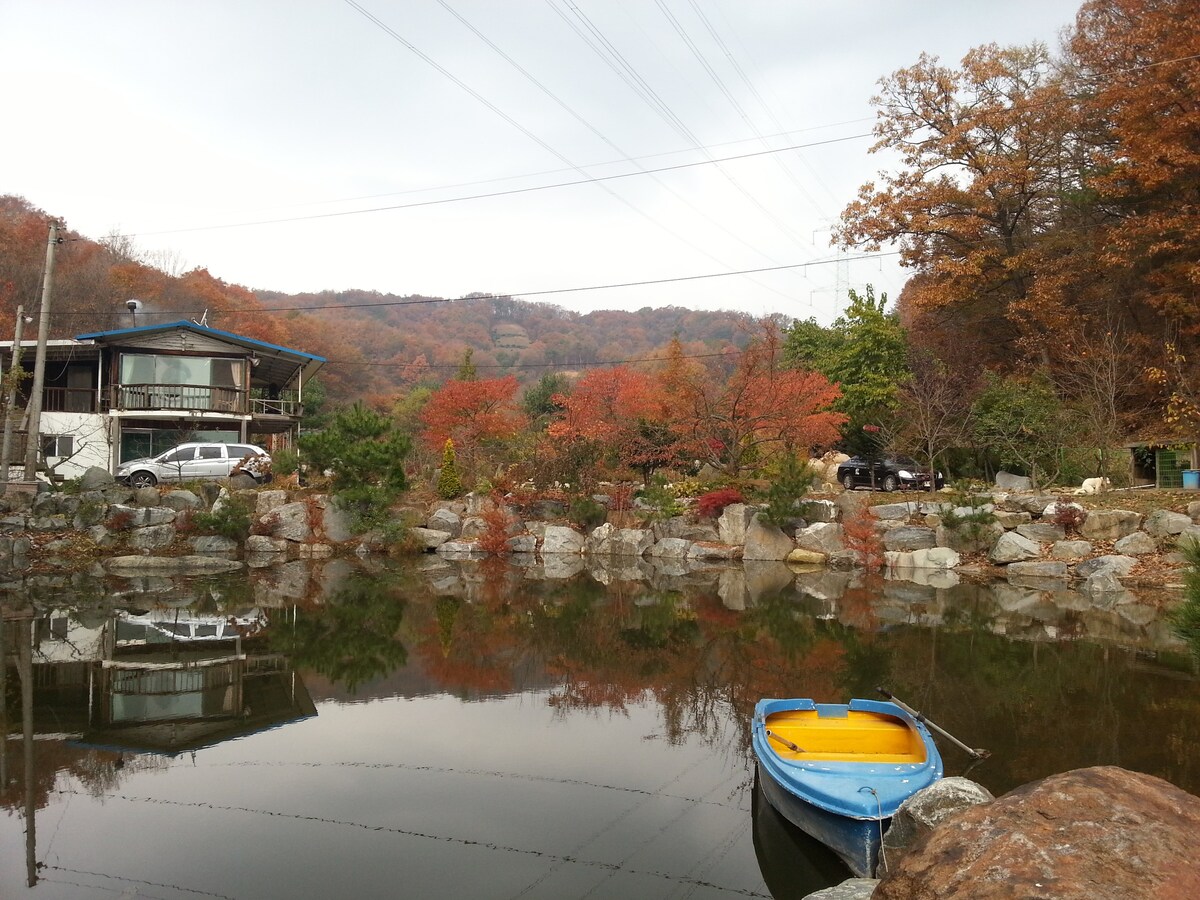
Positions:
(621, 412)
(480, 417)
(758, 412)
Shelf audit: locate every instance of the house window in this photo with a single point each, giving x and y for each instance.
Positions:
(57, 446)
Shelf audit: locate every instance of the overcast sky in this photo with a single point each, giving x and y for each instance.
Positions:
(265, 140)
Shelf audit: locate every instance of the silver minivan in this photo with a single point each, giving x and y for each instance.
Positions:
(189, 462)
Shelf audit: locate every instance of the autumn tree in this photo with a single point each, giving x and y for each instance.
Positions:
(619, 413)
(937, 411)
(759, 410)
(481, 417)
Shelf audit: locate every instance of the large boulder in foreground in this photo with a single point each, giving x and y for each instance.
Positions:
(1090, 834)
(926, 810)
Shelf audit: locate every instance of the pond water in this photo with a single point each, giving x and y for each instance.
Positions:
(436, 729)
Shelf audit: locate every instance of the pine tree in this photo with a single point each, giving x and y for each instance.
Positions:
(449, 483)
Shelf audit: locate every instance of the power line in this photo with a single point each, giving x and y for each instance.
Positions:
(514, 294)
(588, 125)
(484, 196)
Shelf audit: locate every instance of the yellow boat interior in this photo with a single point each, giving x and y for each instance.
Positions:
(858, 736)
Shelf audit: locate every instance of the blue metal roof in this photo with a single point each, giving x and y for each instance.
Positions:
(201, 329)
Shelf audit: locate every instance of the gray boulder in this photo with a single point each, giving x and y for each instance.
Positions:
(147, 496)
(178, 564)
(289, 522)
(766, 542)
(1118, 565)
(680, 527)
(1042, 532)
(214, 543)
(909, 537)
(1011, 547)
(260, 543)
(152, 537)
(850, 889)
(970, 537)
(429, 538)
(1071, 551)
(94, 479)
(671, 548)
(1109, 524)
(560, 539)
(926, 810)
(268, 501)
(1037, 568)
(1137, 544)
(446, 520)
(181, 500)
(1010, 482)
(731, 526)
(1009, 519)
(821, 537)
(1163, 522)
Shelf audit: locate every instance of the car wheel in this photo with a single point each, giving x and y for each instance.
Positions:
(848, 482)
(890, 483)
(142, 480)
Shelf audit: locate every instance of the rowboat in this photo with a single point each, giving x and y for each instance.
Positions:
(839, 771)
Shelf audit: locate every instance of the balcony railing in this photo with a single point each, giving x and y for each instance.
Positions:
(65, 399)
(204, 398)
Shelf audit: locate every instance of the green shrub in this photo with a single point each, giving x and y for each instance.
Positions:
(587, 513)
(231, 520)
(285, 462)
(662, 500)
(787, 489)
(449, 483)
(1185, 618)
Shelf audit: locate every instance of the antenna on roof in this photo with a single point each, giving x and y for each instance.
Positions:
(203, 323)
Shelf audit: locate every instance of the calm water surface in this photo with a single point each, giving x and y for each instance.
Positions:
(454, 729)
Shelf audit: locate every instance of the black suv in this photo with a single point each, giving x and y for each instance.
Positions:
(886, 473)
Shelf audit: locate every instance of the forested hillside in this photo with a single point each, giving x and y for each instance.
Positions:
(377, 345)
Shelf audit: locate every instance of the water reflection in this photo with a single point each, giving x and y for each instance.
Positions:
(609, 704)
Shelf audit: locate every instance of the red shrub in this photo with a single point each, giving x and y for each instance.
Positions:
(494, 539)
(860, 534)
(712, 504)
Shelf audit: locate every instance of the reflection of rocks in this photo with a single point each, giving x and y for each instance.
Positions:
(826, 585)
(283, 585)
(560, 567)
(766, 577)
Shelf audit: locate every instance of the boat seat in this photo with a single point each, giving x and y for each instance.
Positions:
(859, 736)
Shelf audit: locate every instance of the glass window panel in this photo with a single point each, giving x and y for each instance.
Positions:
(210, 452)
(227, 373)
(137, 369)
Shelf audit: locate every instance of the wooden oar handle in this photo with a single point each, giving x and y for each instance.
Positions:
(793, 747)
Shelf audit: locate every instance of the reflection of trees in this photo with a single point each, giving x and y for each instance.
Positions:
(351, 637)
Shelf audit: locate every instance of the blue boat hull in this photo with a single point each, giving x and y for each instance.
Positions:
(855, 841)
(845, 804)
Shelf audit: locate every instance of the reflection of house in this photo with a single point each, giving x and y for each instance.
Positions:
(167, 681)
(112, 396)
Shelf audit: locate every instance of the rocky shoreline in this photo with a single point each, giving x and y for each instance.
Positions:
(1088, 834)
(1030, 539)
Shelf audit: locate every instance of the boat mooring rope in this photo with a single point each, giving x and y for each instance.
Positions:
(879, 823)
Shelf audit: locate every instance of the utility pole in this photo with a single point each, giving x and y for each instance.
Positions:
(33, 433)
(11, 399)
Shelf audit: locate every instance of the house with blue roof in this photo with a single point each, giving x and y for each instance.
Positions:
(113, 396)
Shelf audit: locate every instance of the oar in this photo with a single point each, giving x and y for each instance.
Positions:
(974, 754)
(793, 747)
